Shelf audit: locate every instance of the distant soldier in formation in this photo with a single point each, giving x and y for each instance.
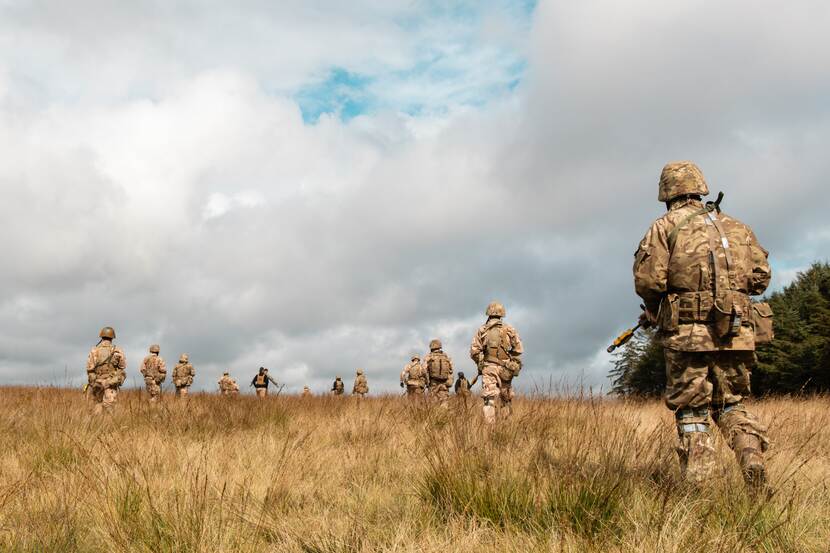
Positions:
(439, 372)
(183, 374)
(361, 386)
(106, 369)
(414, 377)
(496, 349)
(306, 391)
(261, 381)
(154, 372)
(228, 386)
(462, 386)
(338, 388)
(696, 269)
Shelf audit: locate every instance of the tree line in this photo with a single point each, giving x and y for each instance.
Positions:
(796, 361)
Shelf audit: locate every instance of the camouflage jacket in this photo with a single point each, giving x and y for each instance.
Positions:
(674, 275)
(414, 374)
(510, 345)
(106, 366)
(361, 385)
(154, 367)
(228, 384)
(183, 374)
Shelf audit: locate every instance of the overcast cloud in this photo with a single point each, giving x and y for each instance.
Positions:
(321, 186)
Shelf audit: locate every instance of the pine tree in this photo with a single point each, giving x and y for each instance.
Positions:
(639, 367)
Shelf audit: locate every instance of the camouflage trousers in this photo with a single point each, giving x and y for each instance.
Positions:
(153, 388)
(439, 391)
(103, 399)
(700, 384)
(414, 392)
(182, 391)
(495, 383)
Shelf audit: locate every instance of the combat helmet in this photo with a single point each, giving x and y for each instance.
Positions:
(435, 344)
(107, 333)
(184, 358)
(359, 371)
(680, 178)
(495, 309)
(155, 348)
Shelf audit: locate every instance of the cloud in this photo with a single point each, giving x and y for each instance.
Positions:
(196, 177)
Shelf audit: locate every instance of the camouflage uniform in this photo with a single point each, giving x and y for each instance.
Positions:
(306, 391)
(183, 374)
(496, 349)
(338, 387)
(414, 377)
(439, 372)
(696, 269)
(361, 386)
(154, 371)
(106, 369)
(228, 386)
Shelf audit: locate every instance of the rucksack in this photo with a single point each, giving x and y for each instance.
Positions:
(439, 366)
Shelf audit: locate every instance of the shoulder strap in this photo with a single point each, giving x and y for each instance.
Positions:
(708, 208)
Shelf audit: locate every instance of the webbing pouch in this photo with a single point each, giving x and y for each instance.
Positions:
(669, 315)
(762, 322)
(727, 316)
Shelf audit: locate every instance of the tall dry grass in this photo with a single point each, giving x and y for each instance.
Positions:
(337, 475)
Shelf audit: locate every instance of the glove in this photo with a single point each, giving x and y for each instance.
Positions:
(646, 319)
(401, 384)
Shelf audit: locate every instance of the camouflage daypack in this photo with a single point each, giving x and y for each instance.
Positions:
(438, 366)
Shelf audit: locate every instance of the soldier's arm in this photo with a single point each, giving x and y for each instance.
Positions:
(162, 366)
(476, 347)
(761, 271)
(651, 267)
(274, 382)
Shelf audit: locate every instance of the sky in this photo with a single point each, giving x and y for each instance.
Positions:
(321, 186)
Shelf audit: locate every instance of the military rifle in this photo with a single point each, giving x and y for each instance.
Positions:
(627, 335)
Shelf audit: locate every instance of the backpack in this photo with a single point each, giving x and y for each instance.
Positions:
(496, 345)
(438, 366)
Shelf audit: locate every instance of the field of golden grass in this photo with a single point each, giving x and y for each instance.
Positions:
(213, 474)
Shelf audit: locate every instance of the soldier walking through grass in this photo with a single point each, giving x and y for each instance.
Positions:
(183, 374)
(462, 386)
(261, 381)
(361, 385)
(439, 372)
(106, 369)
(154, 372)
(696, 269)
(338, 387)
(227, 385)
(414, 378)
(496, 349)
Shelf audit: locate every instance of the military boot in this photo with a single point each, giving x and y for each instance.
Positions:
(747, 448)
(697, 457)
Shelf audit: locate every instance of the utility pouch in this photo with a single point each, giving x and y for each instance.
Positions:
(727, 316)
(762, 323)
(669, 315)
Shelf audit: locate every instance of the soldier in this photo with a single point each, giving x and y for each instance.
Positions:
(261, 381)
(361, 386)
(306, 392)
(696, 269)
(106, 370)
(338, 387)
(414, 377)
(439, 372)
(228, 386)
(462, 386)
(183, 374)
(154, 371)
(496, 350)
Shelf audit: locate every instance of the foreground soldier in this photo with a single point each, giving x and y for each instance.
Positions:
(106, 370)
(338, 387)
(696, 268)
(261, 381)
(439, 372)
(361, 386)
(228, 386)
(496, 350)
(154, 371)
(414, 377)
(183, 374)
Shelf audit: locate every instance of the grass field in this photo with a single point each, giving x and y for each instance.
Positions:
(212, 474)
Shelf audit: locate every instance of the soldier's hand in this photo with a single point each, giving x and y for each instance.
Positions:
(401, 384)
(646, 319)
